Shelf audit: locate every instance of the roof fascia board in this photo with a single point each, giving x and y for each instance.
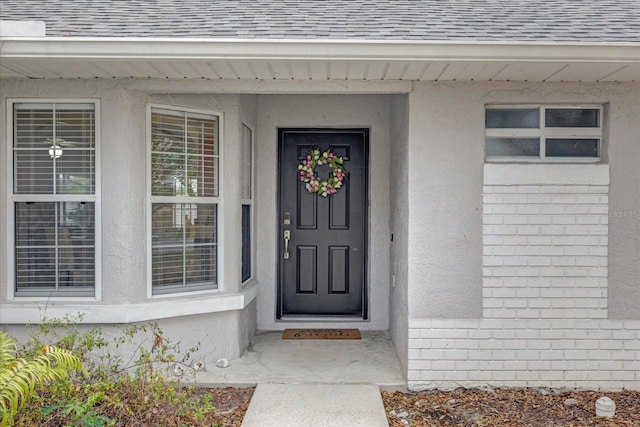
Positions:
(324, 50)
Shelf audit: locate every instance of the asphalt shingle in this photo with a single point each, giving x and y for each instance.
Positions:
(464, 20)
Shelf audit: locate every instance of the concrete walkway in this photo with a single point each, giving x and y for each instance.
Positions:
(272, 360)
(311, 383)
(316, 405)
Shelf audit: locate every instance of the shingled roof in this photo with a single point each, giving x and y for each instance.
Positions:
(583, 21)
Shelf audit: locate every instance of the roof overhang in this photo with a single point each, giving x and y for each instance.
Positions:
(60, 57)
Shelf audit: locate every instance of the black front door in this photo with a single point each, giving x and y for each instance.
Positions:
(322, 240)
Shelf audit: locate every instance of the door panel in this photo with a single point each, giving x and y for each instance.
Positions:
(324, 273)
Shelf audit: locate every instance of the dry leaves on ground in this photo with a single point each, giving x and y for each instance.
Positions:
(508, 407)
(231, 403)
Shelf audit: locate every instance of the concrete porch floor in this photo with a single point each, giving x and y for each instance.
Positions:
(272, 360)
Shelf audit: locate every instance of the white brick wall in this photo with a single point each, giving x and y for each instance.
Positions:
(545, 257)
(558, 353)
(545, 251)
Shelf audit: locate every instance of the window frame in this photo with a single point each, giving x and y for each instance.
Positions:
(150, 200)
(542, 132)
(13, 198)
(250, 202)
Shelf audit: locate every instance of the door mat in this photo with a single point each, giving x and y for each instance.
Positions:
(321, 334)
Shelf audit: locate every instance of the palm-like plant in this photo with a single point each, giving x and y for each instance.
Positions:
(19, 378)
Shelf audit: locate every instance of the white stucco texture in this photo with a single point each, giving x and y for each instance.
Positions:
(123, 197)
(398, 298)
(624, 201)
(426, 184)
(211, 336)
(446, 154)
(559, 249)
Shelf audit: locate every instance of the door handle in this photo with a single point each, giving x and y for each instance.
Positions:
(287, 237)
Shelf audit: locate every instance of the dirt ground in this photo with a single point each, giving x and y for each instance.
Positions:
(472, 408)
(231, 403)
(509, 407)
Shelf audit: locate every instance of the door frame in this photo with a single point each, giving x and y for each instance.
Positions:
(365, 286)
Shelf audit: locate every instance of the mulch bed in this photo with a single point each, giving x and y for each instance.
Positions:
(508, 407)
(231, 404)
(470, 408)
(459, 408)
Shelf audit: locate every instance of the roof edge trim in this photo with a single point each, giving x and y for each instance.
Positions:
(261, 49)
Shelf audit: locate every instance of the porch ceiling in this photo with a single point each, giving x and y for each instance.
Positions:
(52, 58)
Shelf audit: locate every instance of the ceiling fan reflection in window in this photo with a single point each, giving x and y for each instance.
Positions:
(69, 133)
(55, 147)
(58, 145)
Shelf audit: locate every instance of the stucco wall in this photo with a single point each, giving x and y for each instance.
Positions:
(123, 247)
(445, 191)
(213, 336)
(398, 305)
(554, 302)
(122, 153)
(426, 186)
(624, 201)
(446, 146)
(248, 322)
(370, 111)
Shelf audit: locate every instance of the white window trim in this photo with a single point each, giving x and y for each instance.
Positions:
(12, 198)
(542, 132)
(251, 204)
(217, 200)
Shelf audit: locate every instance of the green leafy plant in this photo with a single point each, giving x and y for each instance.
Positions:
(19, 377)
(80, 411)
(64, 333)
(142, 389)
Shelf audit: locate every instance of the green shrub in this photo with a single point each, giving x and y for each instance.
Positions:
(139, 391)
(20, 378)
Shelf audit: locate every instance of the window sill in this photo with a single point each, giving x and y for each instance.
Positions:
(546, 160)
(18, 312)
(546, 174)
(248, 283)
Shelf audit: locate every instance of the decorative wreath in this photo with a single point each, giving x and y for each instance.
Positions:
(311, 180)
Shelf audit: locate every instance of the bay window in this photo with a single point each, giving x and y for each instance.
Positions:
(247, 202)
(184, 197)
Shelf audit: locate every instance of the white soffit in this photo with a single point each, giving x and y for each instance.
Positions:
(55, 57)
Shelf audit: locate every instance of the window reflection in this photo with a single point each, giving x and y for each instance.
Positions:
(54, 244)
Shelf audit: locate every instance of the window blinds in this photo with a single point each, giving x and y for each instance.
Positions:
(54, 198)
(184, 192)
